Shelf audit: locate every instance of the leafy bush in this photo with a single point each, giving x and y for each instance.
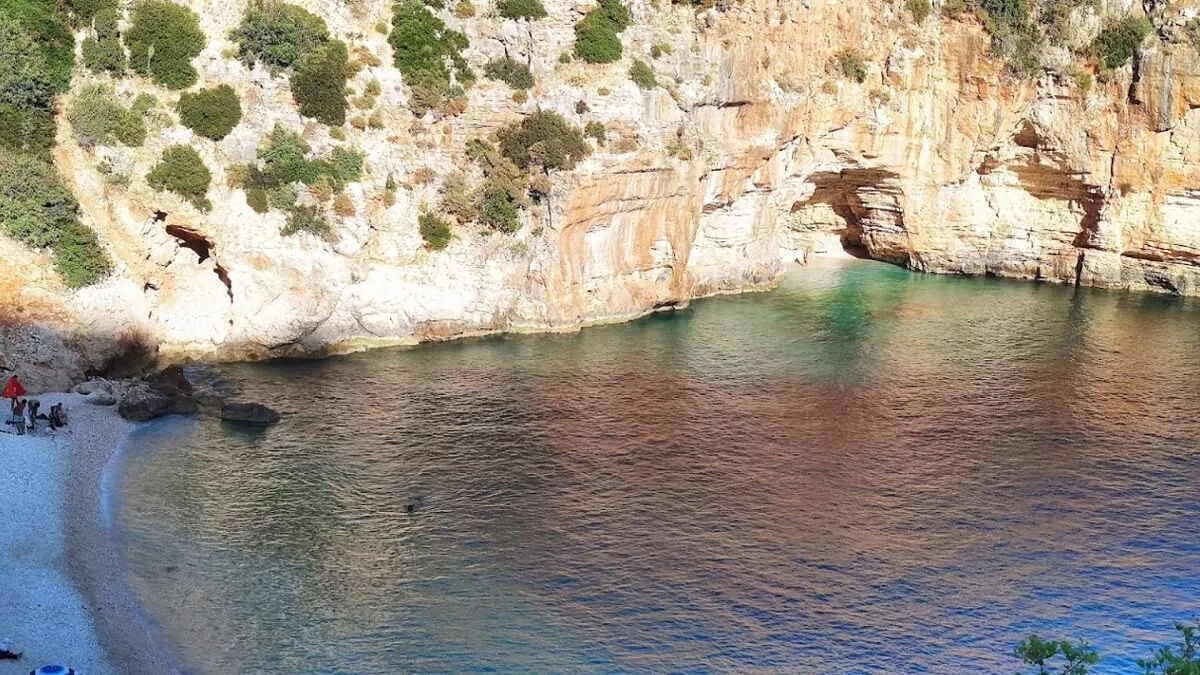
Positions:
(212, 113)
(851, 64)
(93, 115)
(144, 103)
(520, 96)
(435, 231)
(103, 52)
(256, 198)
(597, 131)
(510, 71)
(84, 10)
(544, 138)
(183, 172)
(642, 75)
(80, 259)
(500, 209)
(1118, 42)
(44, 25)
(105, 55)
(26, 81)
(464, 9)
(279, 34)
(26, 130)
(503, 193)
(131, 129)
(308, 219)
(39, 211)
(320, 84)
(597, 38)
(35, 207)
(283, 197)
(347, 164)
(427, 54)
(919, 9)
(522, 9)
(163, 40)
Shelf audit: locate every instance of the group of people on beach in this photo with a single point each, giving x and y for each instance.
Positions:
(26, 413)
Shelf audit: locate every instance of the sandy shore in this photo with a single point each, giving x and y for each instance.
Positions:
(64, 598)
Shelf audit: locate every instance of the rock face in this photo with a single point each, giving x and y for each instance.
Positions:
(249, 413)
(752, 153)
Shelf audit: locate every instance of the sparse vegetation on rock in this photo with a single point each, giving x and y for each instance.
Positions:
(279, 34)
(510, 71)
(434, 230)
(642, 75)
(429, 56)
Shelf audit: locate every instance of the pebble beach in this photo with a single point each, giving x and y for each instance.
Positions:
(64, 599)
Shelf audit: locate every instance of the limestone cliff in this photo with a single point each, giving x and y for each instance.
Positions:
(752, 152)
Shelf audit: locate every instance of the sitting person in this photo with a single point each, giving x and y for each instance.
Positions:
(58, 416)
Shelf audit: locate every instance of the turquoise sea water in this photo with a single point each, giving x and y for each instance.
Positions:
(864, 471)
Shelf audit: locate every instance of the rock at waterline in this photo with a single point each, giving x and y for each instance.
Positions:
(143, 403)
(249, 413)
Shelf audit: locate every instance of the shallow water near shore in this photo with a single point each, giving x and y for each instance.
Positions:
(865, 470)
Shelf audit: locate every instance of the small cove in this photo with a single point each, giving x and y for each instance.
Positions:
(865, 470)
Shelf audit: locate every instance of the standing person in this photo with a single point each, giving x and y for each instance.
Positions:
(32, 412)
(18, 418)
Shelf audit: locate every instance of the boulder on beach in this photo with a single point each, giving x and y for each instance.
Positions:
(8, 651)
(99, 397)
(164, 393)
(249, 413)
(93, 386)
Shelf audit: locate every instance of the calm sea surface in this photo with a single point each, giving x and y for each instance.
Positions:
(864, 471)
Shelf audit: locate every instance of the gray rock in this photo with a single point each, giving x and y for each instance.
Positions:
(249, 413)
(143, 403)
(100, 398)
(93, 386)
(8, 651)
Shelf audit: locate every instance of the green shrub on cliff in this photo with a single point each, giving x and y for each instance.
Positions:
(642, 75)
(212, 113)
(310, 219)
(510, 71)
(920, 10)
(597, 38)
(429, 56)
(522, 9)
(39, 211)
(434, 230)
(163, 40)
(279, 34)
(319, 84)
(544, 139)
(183, 172)
(44, 25)
(102, 52)
(98, 119)
(26, 80)
(1119, 41)
(851, 64)
(84, 10)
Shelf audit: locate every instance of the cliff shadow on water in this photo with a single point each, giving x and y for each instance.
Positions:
(869, 467)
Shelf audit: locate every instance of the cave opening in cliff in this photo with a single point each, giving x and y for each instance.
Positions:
(837, 206)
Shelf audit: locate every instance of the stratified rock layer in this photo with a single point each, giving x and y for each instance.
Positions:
(752, 153)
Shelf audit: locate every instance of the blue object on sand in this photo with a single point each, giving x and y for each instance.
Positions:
(53, 670)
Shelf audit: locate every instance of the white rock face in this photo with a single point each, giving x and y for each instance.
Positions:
(751, 152)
